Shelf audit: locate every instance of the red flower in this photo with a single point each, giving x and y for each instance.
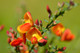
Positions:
(16, 42)
(67, 35)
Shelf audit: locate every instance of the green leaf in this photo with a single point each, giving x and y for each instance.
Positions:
(44, 29)
(46, 21)
(52, 17)
(57, 21)
(67, 3)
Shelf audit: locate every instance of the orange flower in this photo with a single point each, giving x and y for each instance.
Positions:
(28, 18)
(16, 42)
(27, 51)
(34, 33)
(24, 27)
(60, 52)
(34, 40)
(67, 35)
(58, 29)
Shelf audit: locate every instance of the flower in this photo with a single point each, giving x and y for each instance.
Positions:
(16, 42)
(27, 51)
(34, 40)
(67, 35)
(58, 29)
(24, 27)
(1, 27)
(34, 33)
(60, 52)
(28, 18)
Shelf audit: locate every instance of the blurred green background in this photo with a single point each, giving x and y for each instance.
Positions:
(11, 11)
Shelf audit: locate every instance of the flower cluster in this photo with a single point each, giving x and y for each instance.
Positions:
(31, 33)
(59, 31)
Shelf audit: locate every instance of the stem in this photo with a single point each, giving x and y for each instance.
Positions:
(17, 49)
(31, 48)
(56, 16)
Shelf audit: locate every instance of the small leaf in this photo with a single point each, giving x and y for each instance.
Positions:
(44, 29)
(52, 17)
(67, 3)
(57, 21)
(46, 20)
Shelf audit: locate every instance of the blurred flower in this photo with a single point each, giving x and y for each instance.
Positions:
(24, 27)
(28, 18)
(27, 51)
(58, 29)
(67, 35)
(34, 32)
(34, 40)
(12, 35)
(37, 22)
(71, 3)
(11, 29)
(59, 4)
(60, 52)
(9, 40)
(45, 37)
(64, 48)
(7, 33)
(16, 42)
(1, 27)
(41, 23)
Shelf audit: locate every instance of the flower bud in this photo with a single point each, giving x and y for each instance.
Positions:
(34, 40)
(42, 42)
(48, 10)
(71, 3)
(11, 29)
(59, 4)
(64, 48)
(41, 23)
(45, 37)
(7, 32)
(9, 40)
(1, 27)
(62, 4)
(37, 22)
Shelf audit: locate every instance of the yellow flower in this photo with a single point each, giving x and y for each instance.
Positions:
(34, 33)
